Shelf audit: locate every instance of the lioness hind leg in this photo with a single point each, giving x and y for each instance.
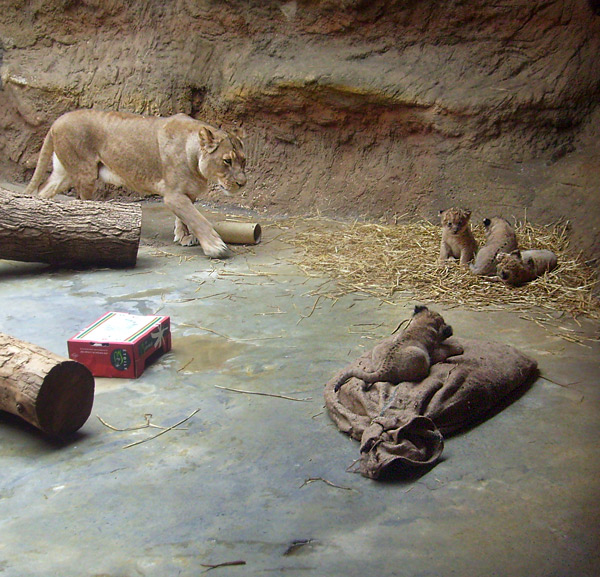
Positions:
(85, 186)
(58, 181)
(182, 234)
(209, 240)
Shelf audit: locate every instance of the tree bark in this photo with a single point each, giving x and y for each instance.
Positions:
(52, 393)
(73, 233)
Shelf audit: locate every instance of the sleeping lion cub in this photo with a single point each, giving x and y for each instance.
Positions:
(522, 266)
(175, 157)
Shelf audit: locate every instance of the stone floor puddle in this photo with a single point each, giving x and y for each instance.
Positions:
(105, 385)
(136, 296)
(199, 353)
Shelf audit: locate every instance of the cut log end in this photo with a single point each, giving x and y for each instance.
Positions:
(52, 393)
(65, 399)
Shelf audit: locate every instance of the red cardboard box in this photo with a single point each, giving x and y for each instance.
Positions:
(121, 344)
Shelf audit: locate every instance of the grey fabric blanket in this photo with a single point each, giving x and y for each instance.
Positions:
(401, 426)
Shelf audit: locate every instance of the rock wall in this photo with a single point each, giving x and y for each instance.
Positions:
(380, 109)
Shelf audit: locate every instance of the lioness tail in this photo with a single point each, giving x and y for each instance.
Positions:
(42, 163)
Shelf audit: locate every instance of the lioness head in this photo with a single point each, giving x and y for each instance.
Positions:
(222, 159)
(455, 219)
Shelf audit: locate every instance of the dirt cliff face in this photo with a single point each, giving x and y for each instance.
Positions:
(382, 109)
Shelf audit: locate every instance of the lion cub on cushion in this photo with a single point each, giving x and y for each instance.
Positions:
(457, 239)
(522, 266)
(175, 157)
(407, 356)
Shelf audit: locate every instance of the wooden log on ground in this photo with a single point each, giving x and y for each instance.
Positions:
(72, 233)
(52, 393)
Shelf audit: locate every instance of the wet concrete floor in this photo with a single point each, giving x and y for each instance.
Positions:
(263, 479)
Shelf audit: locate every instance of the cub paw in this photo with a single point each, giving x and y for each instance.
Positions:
(446, 332)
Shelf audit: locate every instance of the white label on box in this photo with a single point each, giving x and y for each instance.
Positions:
(118, 327)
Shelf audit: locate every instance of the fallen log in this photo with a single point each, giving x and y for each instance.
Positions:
(52, 393)
(72, 233)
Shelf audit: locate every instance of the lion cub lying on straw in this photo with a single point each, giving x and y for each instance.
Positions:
(522, 266)
(403, 357)
(457, 239)
(500, 237)
(175, 157)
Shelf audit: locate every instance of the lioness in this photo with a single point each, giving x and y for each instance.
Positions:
(175, 157)
(403, 357)
(500, 237)
(457, 239)
(522, 266)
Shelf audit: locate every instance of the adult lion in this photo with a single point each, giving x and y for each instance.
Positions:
(175, 157)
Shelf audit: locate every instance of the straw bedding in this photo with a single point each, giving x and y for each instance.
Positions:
(386, 259)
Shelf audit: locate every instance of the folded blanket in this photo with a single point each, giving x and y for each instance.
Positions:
(401, 426)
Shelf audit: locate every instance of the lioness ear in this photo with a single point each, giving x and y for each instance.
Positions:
(516, 253)
(208, 139)
(467, 214)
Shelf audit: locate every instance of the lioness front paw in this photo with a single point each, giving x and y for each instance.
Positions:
(215, 248)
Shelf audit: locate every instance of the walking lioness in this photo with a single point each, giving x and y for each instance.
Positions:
(175, 157)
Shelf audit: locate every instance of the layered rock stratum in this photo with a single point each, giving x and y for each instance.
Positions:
(383, 109)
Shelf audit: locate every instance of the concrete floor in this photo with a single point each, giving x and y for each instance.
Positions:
(519, 495)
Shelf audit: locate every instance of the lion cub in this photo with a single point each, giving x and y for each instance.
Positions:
(457, 239)
(500, 237)
(403, 357)
(520, 267)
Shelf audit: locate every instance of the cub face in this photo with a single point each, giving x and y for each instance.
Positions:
(511, 268)
(427, 316)
(455, 220)
(222, 160)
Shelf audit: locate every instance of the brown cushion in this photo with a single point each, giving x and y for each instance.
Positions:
(401, 426)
